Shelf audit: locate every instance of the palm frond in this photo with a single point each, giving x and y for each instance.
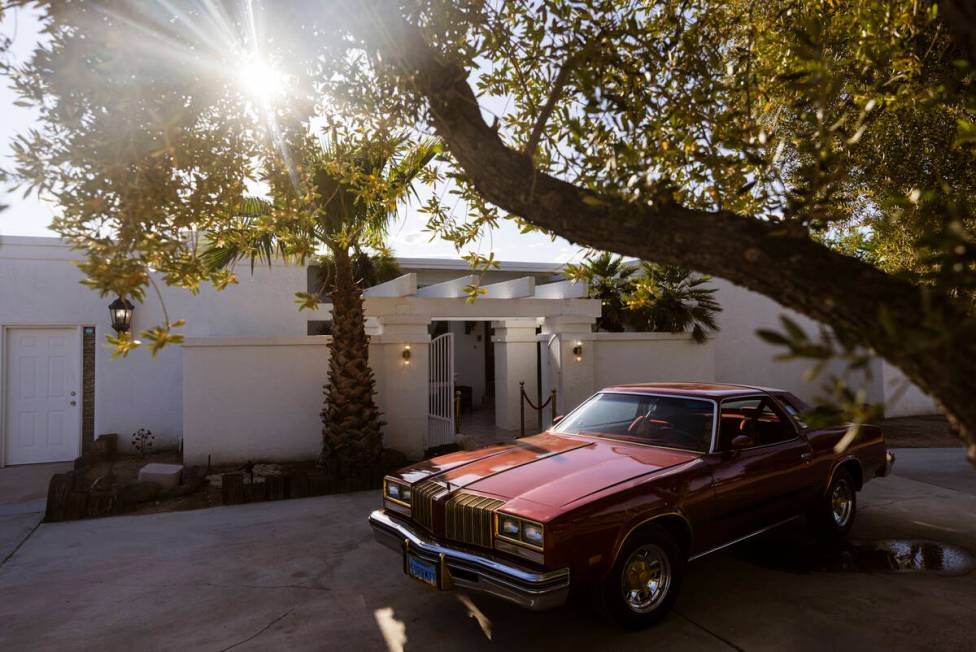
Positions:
(403, 172)
(245, 238)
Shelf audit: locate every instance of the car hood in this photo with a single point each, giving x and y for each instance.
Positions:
(547, 469)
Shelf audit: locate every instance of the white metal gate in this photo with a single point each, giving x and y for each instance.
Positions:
(440, 404)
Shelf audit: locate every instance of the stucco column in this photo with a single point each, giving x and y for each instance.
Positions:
(401, 384)
(515, 345)
(570, 373)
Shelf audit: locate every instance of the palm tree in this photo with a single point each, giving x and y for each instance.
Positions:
(349, 197)
(648, 296)
(670, 299)
(608, 278)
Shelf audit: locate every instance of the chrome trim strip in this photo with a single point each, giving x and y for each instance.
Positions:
(469, 518)
(530, 589)
(741, 539)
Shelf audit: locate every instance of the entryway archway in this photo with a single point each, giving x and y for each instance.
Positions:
(509, 315)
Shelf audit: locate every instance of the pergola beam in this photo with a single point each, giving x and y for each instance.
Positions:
(453, 289)
(562, 290)
(517, 288)
(402, 286)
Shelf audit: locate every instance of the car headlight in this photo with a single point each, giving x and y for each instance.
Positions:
(398, 492)
(519, 531)
(532, 533)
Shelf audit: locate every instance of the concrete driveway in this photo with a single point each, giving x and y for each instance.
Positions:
(305, 574)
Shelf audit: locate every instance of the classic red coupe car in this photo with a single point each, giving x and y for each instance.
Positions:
(621, 493)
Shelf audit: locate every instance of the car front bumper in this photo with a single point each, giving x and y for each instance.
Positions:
(473, 572)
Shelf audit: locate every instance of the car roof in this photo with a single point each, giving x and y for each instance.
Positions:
(707, 390)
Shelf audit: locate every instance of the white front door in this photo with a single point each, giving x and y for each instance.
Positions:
(43, 395)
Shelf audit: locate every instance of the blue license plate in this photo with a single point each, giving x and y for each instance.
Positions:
(422, 570)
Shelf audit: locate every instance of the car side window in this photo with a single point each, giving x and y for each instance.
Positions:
(757, 417)
(793, 405)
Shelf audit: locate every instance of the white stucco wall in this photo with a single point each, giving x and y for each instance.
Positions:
(622, 358)
(903, 397)
(742, 357)
(253, 398)
(618, 359)
(259, 398)
(39, 285)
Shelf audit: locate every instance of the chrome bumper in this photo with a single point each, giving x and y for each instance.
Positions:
(474, 572)
(889, 463)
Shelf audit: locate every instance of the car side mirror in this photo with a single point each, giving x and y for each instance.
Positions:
(741, 441)
(557, 419)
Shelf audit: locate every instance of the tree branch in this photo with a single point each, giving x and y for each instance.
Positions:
(554, 93)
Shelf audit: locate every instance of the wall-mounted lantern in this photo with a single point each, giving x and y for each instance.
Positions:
(578, 351)
(406, 354)
(121, 313)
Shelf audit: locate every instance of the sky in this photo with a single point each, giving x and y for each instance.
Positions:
(31, 216)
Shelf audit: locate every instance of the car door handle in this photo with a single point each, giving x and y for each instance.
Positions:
(806, 457)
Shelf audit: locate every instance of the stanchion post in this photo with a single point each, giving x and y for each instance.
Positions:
(457, 411)
(522, 408)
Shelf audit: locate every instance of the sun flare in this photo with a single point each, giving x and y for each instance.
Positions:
(261, 81)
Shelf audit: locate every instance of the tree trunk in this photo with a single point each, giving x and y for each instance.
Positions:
(928, 336)
(351, 435)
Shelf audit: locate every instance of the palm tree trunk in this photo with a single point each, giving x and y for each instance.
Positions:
(351, 436)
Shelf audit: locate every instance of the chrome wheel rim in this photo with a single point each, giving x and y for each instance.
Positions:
(646, 578)
(842, 503)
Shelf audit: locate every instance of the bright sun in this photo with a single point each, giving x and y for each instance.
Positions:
(261, 81)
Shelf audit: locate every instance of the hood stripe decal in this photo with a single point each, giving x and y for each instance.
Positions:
(453, 485)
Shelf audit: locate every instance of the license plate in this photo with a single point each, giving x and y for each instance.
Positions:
(424, 571)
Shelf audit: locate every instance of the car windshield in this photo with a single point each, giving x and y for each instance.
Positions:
(669, 421)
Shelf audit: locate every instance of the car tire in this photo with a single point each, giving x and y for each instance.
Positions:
(641, 587)
(832, 517)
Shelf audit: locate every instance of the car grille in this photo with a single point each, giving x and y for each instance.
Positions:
(468, 518)
(422, 503)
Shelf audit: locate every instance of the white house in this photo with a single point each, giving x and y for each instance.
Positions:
(247, 382)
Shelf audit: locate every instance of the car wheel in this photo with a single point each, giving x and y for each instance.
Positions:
(833, 515)
(643, 584)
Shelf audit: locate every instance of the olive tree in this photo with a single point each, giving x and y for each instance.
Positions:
(793, 147)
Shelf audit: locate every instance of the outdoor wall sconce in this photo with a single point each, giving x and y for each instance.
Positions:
(578, 351)
(121, 313)
(406, 354)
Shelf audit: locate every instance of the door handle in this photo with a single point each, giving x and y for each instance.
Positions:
(806, 457)
(72, 402)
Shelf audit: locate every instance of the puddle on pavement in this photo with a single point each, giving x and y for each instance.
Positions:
(901, 556)
(887, 556)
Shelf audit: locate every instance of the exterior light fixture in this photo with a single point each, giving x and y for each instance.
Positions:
(578, 351)
(406, 354)
(121, 312)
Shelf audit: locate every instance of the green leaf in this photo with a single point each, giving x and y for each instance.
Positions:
(965, 132)
(772, 337)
